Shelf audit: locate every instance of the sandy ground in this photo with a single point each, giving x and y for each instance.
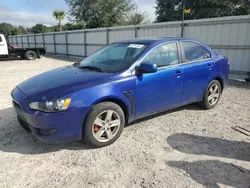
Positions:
(186, 147)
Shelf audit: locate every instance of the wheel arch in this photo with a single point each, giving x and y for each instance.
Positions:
(221, 82)
(117, 101)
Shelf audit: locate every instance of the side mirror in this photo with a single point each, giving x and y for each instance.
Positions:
(145, 68)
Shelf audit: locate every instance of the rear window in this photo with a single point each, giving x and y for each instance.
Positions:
(206, 53)
(192, 51)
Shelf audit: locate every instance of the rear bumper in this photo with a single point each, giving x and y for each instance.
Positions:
(50, 128)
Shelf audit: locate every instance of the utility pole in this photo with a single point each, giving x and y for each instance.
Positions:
(183, 2)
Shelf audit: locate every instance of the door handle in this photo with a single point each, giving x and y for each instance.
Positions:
(209, 66)
(178, 73)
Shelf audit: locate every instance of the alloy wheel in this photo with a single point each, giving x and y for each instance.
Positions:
(106, 126)
(214, 94)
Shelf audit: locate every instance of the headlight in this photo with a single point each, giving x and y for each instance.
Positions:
(51, 106)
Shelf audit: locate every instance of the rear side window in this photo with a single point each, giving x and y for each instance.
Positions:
(192, 51)
(1, 39)
(206, 53)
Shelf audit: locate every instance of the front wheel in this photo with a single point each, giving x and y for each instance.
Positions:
(212, 95)
(104, 124)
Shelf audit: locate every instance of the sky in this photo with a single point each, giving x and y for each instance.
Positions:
(30, 12)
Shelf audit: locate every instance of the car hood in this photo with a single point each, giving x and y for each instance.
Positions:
(61, 81)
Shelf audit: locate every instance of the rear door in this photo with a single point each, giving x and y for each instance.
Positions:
(197, 67)
(3, 46)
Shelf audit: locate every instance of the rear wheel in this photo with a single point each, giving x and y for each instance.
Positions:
(30, 55)
(212, 95)
(104, 124)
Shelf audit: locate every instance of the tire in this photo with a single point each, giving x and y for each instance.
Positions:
(207, 102)
(30, 55)
(97, 116)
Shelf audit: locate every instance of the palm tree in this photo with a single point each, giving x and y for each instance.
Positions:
(59, 15)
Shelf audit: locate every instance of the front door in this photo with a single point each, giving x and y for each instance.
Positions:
(161, 90)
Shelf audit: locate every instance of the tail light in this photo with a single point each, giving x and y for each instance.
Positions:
(228, 62)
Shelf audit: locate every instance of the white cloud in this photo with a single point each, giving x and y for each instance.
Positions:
(25, 18)
(41, 12)
(47, 4)
(147, 6)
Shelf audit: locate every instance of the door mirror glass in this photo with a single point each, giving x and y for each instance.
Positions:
(145, 68)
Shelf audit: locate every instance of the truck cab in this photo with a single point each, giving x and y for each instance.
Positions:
(3, 46)
(8, 51)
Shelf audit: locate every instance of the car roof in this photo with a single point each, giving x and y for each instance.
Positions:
(154, 40)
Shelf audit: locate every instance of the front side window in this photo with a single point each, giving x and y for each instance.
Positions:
(192, 51)
(163, 55)
(1, 39)
(114, 58)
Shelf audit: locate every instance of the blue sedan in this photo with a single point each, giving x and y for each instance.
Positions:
(122, 82)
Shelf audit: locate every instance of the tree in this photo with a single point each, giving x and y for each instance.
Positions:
(21, 30)
(40, 28)
(165, 9)
(6, 29)
(136, 17)
(100, 13)
(75, 25)
(59, 15)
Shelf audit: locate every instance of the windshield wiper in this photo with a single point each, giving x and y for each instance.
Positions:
(76, 64)
(92, 68)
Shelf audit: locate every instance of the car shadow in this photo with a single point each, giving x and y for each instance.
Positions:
(11, 59)
(200, 145)
(211, 173)
(13, 138)
(238, 84)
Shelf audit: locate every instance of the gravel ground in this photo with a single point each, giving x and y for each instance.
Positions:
(186, 147)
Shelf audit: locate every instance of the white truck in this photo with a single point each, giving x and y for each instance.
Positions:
(8, 51)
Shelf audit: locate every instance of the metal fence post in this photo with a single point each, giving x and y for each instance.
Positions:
(66, 41)
(136, 31)
(43, 41)
(35, 40)
(16, 41)
(85, 43)
(54, 38)
(28, 39)
(107, 35)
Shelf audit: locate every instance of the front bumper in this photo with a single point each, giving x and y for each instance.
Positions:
(50, 128)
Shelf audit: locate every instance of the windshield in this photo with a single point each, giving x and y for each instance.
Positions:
(113, 58)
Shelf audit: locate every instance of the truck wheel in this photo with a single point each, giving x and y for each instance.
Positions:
(30, 55)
